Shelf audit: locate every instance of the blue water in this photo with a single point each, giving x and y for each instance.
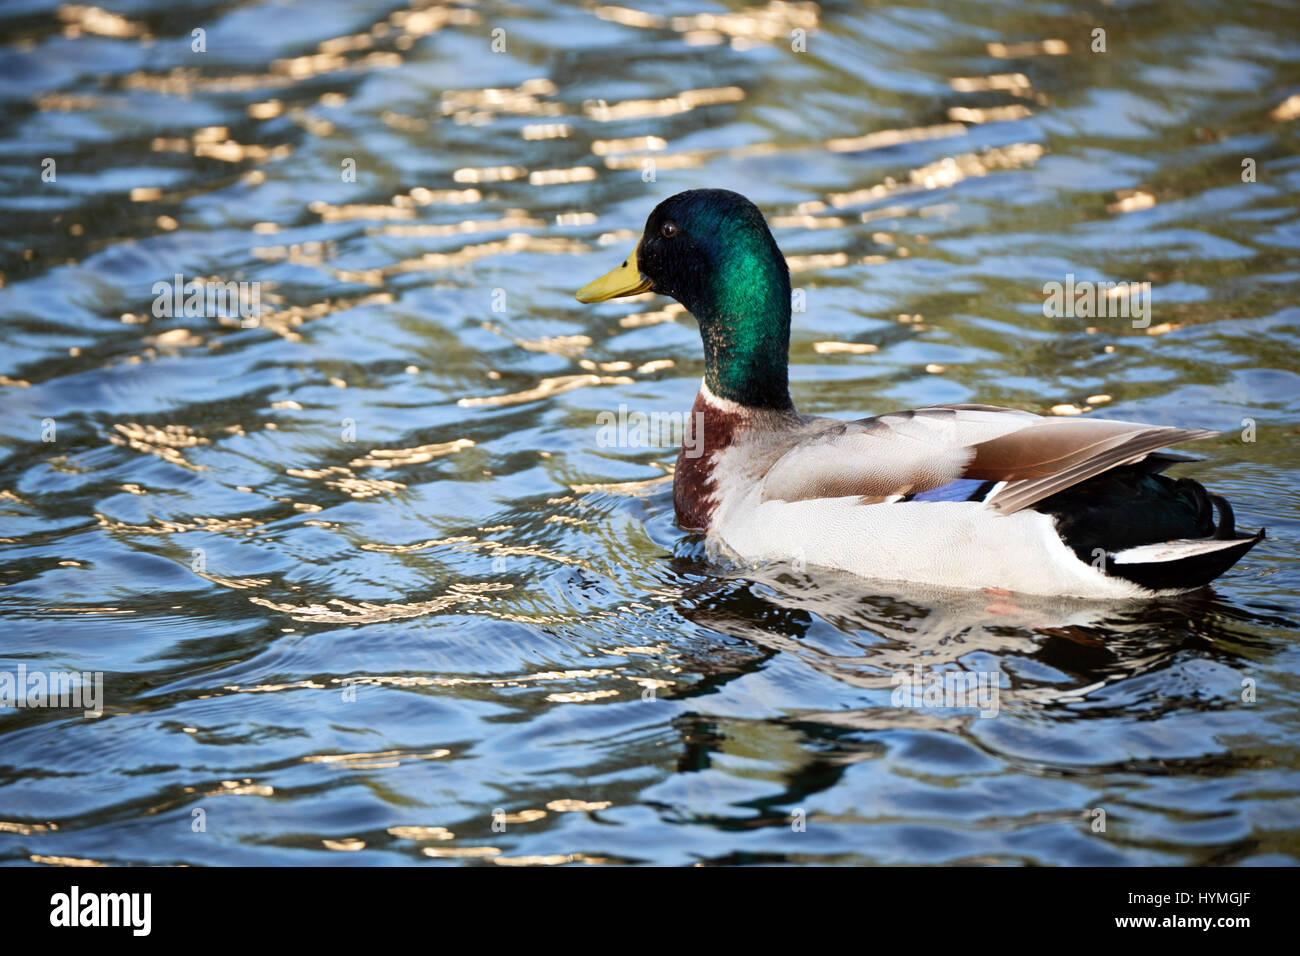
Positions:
(363, 582)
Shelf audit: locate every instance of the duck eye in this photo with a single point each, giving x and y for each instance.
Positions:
(668, 229)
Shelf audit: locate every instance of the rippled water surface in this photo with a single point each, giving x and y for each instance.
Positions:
(361, 578)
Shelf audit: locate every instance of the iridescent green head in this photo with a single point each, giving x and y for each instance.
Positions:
(711, 250)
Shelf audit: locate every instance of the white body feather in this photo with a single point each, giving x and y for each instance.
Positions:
(956, 544)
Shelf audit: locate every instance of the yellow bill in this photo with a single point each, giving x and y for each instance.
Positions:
(624, 280)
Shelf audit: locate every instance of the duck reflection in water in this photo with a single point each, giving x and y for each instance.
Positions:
(1020, 651)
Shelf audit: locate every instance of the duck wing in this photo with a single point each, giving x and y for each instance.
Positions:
(903, 453)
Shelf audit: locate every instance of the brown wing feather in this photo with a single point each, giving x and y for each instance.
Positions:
(1039, 461)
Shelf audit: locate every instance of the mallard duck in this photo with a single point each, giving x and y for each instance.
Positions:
(969, 496)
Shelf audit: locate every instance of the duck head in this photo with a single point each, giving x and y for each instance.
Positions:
(711, 250)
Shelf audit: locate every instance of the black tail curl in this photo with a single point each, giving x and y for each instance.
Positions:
(1227, 526)
(1131, 506)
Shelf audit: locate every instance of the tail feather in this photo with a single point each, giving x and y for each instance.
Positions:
(1227, 526)
(1180, 565)
(1160, 533)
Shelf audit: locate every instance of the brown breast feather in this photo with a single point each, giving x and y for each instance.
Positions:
(709, 430)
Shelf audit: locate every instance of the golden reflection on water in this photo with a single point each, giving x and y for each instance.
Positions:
(229, 151)
(537, 131)
(817, 262)
(365, 487)
(642, 487)
(83, 18)
(944, 173)
(165, 442)
(237, 584)
(638, 320)
(805, 221)
(353, 52)
(437, 261)
(557, 177)
(471, 543)
(165, 526)
(285, 322)
(511, 219)
(1287, 110)
(421, 833)
(579, 697)
(347, 845)
(523, 816)
(528, 681)
(85, 611)
(395, 457)
(26, 828)
(467, 852)
(689, 159)
(1017, 84)
(578, 806)
(350, 211)
(885, 138)
(550, 859)
(546, 388)
(756, 25)
(374, 761)
(1014, 51)
(570, 345)
(840, 348)
(489, 174)
(1131, 200)
(243, 788)
(683, 102)
(632, 144)
(465, 106)
(339, 611)
(274, 688)
(64, 860)
(990, 114)
(408, 680)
